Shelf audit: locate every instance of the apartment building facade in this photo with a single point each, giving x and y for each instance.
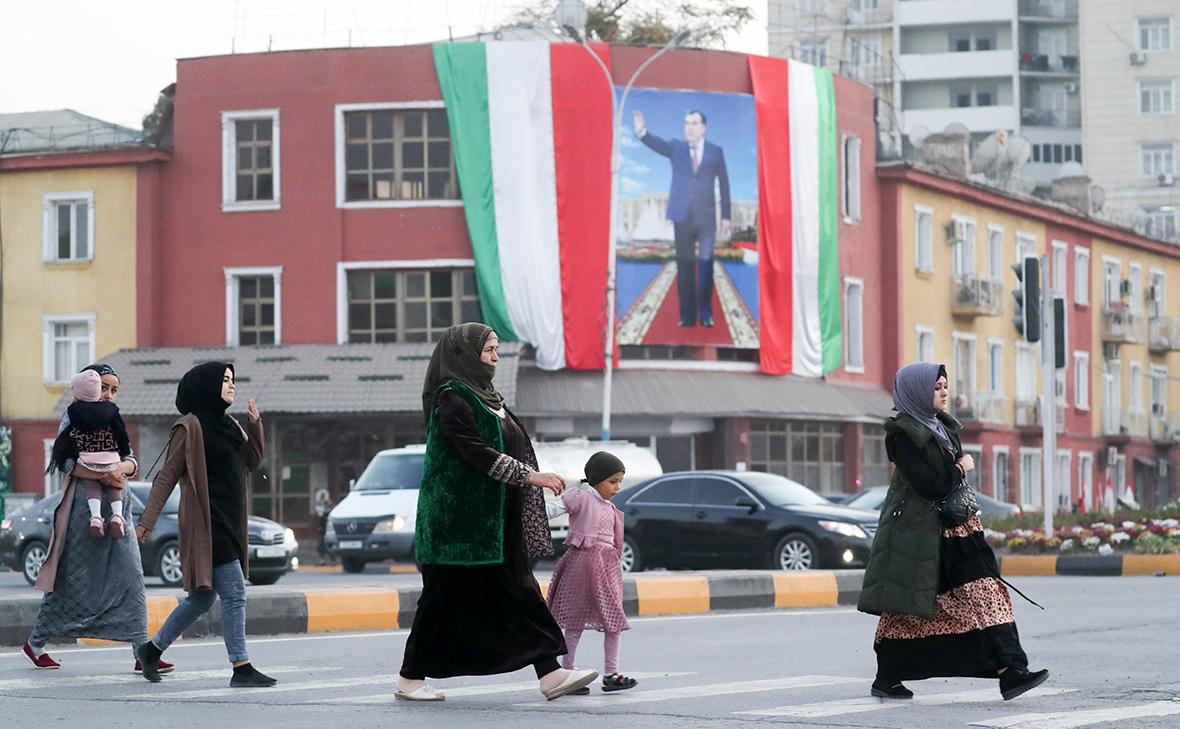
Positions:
(1131, 125)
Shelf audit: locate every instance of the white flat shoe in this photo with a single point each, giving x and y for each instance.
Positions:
(425, 692)
(572, 682)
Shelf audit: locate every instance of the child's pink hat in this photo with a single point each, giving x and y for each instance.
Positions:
(86, 386)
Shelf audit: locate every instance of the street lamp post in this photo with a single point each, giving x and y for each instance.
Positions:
(617, 105)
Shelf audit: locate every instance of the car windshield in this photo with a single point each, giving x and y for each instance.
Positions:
(171, 506)
(782, 491)
(871, 500)
(392, 472)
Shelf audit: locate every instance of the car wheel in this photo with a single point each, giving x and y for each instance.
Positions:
(795, 552)
(353, 564)
(168, 564)
(32, 558)
(629, 559)
(267, 579)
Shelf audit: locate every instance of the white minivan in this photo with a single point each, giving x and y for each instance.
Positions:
(376, 520)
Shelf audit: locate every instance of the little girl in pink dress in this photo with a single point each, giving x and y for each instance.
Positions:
(587, 587)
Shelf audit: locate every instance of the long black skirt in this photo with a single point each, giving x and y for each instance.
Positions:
(479, 621)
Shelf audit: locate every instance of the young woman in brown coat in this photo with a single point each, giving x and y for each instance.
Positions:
(211, 456)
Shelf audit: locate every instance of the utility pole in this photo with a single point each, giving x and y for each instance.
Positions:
(1048, 400)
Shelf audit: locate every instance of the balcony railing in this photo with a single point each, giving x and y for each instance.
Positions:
(1049, 10)
(982, 406)
(977, 296)
(1163, 333)
(1164, 428)
(1120, 325)
(1034, 117)
(1134, 422)
(1046, 63)
(1028, 414)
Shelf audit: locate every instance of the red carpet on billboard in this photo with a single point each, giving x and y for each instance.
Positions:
(665, 328)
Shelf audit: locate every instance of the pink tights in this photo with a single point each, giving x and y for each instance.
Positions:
(610, 648)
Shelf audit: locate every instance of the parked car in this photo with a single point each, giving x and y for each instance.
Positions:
(24, 539)
(873, 498)
(376, 520)
(698, 519)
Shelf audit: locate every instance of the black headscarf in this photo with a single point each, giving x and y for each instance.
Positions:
(456, 357)
(199, 393)
(601, 466)
(102, 369)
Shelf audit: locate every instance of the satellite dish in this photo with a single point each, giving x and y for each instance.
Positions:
(1070, 169)
(918, 135)
(988, 152)
(956, 129)
(1026, 183)
(1097, 196)
(1017, 152)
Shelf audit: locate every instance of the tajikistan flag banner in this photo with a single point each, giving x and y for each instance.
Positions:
(798, 252)
(530, 123)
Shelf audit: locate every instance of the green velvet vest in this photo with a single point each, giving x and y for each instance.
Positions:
(460, 509)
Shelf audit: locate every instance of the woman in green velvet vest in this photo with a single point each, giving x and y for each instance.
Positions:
(944, 611)
(481, 518)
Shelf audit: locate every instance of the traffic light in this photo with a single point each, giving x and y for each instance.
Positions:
(1059, 333)
(1027, 293)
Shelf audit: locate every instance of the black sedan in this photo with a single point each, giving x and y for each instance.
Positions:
(24, 539)
(873, 498)
(698, 519)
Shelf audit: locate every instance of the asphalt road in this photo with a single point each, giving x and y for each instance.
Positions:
(1109, 642)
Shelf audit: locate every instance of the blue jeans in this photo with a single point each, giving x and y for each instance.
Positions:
(230, 586)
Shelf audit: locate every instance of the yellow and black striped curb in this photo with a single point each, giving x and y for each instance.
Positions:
(1114, 565)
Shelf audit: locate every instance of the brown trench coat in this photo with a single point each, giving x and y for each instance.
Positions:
(186, 464)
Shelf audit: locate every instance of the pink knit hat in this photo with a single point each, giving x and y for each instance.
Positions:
(86, 386)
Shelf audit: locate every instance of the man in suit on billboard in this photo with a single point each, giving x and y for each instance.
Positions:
(697, 167)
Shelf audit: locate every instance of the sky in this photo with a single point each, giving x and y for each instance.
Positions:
(110, 59)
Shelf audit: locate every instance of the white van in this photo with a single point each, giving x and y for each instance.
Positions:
(376, 520)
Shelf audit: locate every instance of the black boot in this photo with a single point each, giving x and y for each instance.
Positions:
(149, 661)
(888, 688)
(247, 676)
(705, 291)
(1016, 681)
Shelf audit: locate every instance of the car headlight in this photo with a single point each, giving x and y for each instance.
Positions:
(396, 524)
(289, 538)
(843, 528)
(5, 525)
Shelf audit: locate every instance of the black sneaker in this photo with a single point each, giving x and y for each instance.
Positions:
(887, 689)
(247, 676)
(148, 656)
(1016, 681)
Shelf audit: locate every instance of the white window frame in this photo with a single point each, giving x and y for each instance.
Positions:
(963, 252)
(1081, 380)
(1033, 483)
(1157, 373)
(923, 250)
(1155, 37)
(1135, 387)
(850, 189)
(919, 332)
(1062, 478)
(1026, 245)
(1086, 478)
(48, 321)
(1157, 158)
(851, 336)
(1136, 277)
(1026, 352)
(1158, 96)
(49, 203)
(1110, 293)
(814, 50)
(229, 161)
(233, 277)
(343, 267)
(997, 451)
(973, 365)
(1059, 267)
(341, 202)
(995, 252)
(1158, 302)
(1081, 276)
(1157, 216)
(994, 343)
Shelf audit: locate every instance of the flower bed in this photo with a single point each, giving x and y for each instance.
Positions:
(1143, 535)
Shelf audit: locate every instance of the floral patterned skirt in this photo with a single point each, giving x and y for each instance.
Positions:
(973, 631)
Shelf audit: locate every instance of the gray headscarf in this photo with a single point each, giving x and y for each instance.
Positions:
(913, 394)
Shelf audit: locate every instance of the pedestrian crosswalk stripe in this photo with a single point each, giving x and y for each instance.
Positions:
(478, 690)
(97, 680)
(1086, 717)
(730, 688)
(280, 688)
(870, 703)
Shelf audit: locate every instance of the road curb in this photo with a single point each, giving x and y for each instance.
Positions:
(1077, 565)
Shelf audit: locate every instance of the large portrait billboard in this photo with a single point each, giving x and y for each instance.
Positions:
(687, 261)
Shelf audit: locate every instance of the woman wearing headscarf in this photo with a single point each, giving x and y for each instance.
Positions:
(93, 587)
(944, 609)
(212, 457)
(481, 516)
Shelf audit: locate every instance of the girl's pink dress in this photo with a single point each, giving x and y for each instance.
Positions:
(586, 592)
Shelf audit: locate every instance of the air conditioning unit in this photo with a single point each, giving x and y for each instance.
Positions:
(1071, 87)
(1166, 180)
(956, 231)
(1125, 287)
(1138, 58)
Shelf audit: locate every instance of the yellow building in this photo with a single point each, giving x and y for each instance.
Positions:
(954, 243)
(70, 224)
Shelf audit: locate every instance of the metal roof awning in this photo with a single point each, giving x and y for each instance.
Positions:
(324, 379)
(700, 394)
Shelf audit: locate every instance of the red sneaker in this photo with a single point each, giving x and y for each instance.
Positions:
(116, 527)
(165, 667)
(38, 661)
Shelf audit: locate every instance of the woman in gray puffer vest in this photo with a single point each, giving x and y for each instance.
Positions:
(944, 611)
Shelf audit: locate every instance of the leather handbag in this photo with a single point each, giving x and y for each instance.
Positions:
(959, 505)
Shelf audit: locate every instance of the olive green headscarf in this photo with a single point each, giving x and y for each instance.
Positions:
(456, 357)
